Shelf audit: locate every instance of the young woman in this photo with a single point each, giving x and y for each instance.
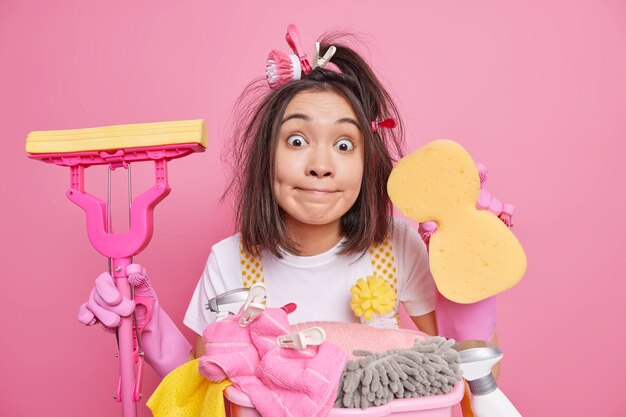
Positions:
(313, 155)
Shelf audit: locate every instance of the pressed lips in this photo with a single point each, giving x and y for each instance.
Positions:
(316, 190)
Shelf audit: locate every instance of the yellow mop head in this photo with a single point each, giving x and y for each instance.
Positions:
(143, 135)
(473, 254)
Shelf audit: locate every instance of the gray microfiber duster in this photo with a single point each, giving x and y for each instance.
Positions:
(430, 367)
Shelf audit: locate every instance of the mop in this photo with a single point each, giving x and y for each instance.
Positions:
(430, 367)
(118, 147)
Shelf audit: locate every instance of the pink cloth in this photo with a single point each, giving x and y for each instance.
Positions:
(280, 382)
(357, 336)
(229, 351)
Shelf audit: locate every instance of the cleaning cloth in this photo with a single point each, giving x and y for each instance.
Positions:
(430, 367)
(280, 382)
(186, 393)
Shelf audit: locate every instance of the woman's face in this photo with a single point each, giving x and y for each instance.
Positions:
(319, 159)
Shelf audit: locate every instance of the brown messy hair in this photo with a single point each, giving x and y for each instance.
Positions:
(259, 112)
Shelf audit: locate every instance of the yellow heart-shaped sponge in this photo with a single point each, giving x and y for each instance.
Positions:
(473, 255)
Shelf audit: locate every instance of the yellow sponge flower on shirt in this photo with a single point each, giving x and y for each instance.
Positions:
(372, 295)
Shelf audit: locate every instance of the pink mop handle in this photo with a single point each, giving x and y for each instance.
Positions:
(127, 393)
(120, 247)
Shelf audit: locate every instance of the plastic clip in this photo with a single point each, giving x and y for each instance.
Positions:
(312, 336)
(115, 159)
(238, 295)
(254, 305)
(320, 61)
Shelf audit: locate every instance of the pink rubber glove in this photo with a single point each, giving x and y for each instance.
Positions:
(476, 321)
(165, 348)
(105, 304)
(486, 201)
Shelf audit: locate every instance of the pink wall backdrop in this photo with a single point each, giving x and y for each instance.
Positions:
(536, 90)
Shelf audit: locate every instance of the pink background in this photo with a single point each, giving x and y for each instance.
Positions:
(536, 90)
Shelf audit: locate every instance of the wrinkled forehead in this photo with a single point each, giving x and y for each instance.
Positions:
(319, 107)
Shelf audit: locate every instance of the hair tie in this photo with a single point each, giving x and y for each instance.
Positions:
(387, 123)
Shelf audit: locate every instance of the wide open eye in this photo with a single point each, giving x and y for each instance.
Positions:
(296, 140)
(344, 145)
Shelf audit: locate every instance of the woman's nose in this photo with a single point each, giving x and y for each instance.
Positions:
(320, 164)
(320, 173)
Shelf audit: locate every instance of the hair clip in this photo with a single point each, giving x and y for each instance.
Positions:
(387, 123)
(293, 39)
(282, 68)
(324, 62)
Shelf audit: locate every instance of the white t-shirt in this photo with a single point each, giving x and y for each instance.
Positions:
(319, 285)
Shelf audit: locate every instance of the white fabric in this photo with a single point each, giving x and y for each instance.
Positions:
(319, 285)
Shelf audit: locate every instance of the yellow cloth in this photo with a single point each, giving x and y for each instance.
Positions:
(186, 393)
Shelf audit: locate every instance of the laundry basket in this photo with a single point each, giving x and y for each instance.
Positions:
(238, 405)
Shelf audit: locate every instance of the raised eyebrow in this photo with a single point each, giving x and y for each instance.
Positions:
(296, 116)
(306, 118)
(349, 120)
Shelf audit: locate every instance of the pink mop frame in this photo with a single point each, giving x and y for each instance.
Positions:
(120, 247)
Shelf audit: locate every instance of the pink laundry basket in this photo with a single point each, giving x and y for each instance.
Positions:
(238, 405)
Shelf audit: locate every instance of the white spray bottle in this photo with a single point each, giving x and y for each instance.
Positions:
(486, 398)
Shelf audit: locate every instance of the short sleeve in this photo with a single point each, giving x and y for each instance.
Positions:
(197, 316)
(418, 292)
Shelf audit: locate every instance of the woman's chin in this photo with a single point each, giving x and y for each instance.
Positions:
(314, 221)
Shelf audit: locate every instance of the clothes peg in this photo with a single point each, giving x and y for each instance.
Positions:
(312, 336)
(254, 305)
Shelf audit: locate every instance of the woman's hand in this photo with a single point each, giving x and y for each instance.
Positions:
(164, 346)
(105, 304)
